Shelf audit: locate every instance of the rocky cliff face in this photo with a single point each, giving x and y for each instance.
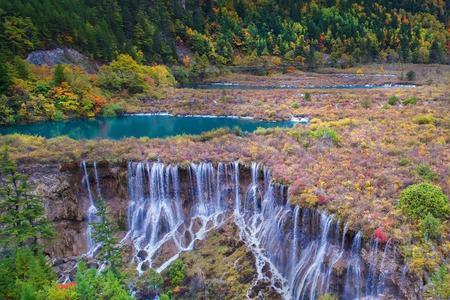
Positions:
(62, 56)
(67, 204)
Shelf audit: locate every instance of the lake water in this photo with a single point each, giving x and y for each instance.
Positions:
(154, 126)
(241, 86)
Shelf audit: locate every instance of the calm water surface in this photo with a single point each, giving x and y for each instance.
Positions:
(241, 86)
(154, 126)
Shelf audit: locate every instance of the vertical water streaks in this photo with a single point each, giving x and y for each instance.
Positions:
(297, 250)
(92, 210)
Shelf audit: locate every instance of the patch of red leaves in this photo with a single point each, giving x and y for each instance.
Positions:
(380, 235)
(66, 285)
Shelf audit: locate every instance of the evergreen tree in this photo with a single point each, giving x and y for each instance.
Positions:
(5, 79)
(436, 52)
(22, 213)
(58, 75)
(103, 234)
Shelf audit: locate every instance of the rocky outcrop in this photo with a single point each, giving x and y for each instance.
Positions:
(62, 56)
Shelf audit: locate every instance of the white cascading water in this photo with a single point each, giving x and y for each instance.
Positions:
(92, 246)
(297, 250)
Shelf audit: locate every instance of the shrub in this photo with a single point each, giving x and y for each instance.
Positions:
(307, 97)
(419, 200)
(404, 162)
(410, 101)
(441, 282)
(426, 172)
(295, 105)
(411, 75)
(393, 100)
(177, 272)
(160, 74)
(327, 133)
(380, 235)
(424, 119)
(328, 296)
(366, 103)
(112, 109)
(430, 227)
(181, 74)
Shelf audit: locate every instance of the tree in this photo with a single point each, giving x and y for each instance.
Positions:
(22, 213)
(436, 52)
(102, 286)
(5, 79)
(58, 75)
(24, 274)
(177, 272)
(103, 234)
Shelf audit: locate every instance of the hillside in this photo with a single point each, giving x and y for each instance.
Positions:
(236, 31)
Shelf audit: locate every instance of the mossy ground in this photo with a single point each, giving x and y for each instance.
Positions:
(221, 267)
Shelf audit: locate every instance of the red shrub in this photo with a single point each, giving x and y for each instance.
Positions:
(67, 285)
(380, 235)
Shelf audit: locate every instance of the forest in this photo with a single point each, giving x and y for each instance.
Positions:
(228, 31)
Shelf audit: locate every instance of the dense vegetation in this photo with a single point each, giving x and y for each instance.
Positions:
(226, 31)
(32, 93)
(26, 273)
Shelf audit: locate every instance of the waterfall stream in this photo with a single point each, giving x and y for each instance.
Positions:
(92, 246)
(300, 253)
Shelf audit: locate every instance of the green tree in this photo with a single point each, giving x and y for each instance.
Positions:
(19, 34)
(430, 227)
(24, 274)
(103, 233)
(5, 79)
(177, 272)
(436, 52)
(22, 213)
(58, 75)
(100, 286)
(22, 68)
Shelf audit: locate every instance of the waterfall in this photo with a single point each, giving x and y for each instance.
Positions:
(92, 210)
(297, 251)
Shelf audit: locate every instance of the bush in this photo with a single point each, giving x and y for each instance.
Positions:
(112, 109)
(181, 74)
(430, 227)
(441, 282)
(424, 119)
(404, 162)
(177, 272)
(307, 97)
(393, 100)
(419, 200)
(366, 103)
(411, 75)
(426, 172)
(327, 133)
(410, 101)
(161, 75)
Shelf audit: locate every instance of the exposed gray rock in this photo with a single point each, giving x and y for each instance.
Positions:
(62, 56)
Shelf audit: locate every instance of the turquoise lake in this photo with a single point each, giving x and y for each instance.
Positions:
(153, 126)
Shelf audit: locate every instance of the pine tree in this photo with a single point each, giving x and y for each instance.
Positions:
(110, 252)
(58, 75)
(5, 79)
(22, 213)
(436, 52)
